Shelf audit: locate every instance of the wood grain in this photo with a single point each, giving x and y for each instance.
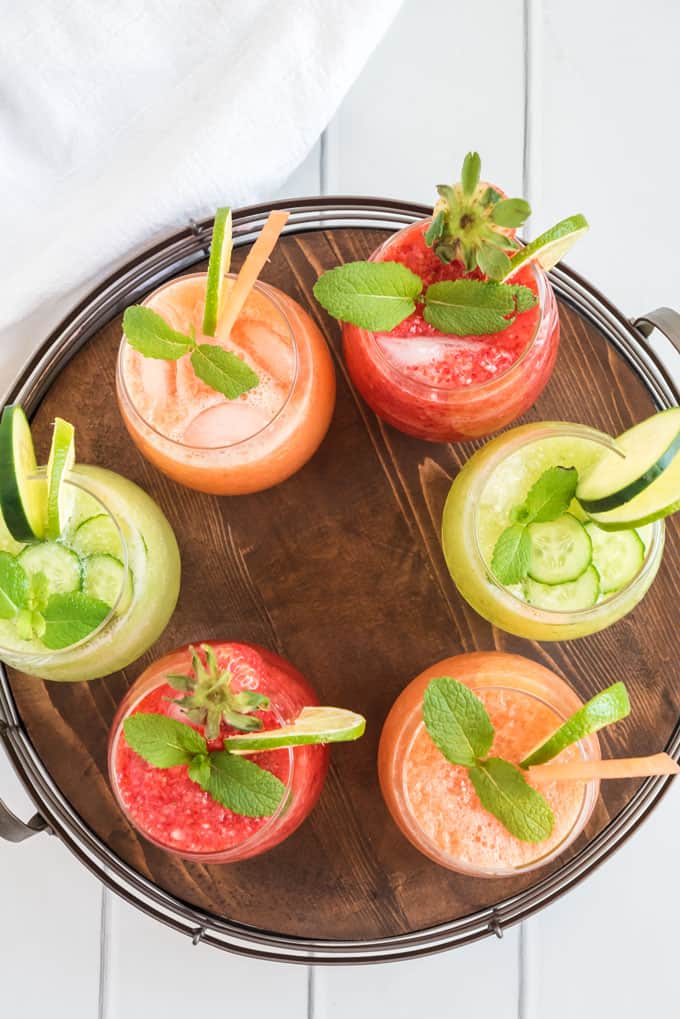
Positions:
(340, 570)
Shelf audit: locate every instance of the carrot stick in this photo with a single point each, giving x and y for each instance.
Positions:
(621, 767)
(250, 270)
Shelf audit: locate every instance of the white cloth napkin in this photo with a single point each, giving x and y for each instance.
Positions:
(122, 118)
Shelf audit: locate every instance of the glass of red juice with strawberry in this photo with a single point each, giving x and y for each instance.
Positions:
(451, 388)
(215, 691)
(451, 329)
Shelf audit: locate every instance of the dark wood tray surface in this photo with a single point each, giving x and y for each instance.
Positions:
(340, 570)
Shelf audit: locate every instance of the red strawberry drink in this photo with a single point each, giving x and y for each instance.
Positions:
(175, 812)
(446, 387)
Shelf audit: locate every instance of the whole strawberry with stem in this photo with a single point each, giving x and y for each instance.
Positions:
(474, 223)
(208, 699)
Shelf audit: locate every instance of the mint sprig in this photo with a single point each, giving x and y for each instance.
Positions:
(242, 786)
(148, 333)
(58, 620)
(459, 725)
(379, 295)
(548, 498)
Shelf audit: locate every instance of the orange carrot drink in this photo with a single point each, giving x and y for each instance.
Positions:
(224, 383)
(490, 765)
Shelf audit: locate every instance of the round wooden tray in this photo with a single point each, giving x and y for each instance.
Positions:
(339, 570)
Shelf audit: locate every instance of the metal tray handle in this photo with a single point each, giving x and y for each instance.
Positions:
(665, 320)
(12, 828)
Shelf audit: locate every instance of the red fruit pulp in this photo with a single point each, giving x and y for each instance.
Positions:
(447, 388)
(171, 810)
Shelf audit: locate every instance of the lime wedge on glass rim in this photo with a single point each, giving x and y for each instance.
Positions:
(313, 725)
(61, 461)
(551, 246)
(218, 266)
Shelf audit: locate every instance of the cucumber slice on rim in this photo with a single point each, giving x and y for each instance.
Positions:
(98, 535)
(617, 556)
(560, 550)
(22, 494)
(61, 460)
(574, 596)
(104, 578)
(218, 266)
(649, 450)
(59, 564)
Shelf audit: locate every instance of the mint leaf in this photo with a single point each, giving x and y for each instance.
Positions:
(223, 371)
(469, 178)
(512, 554)
(146, 331)
(551, 495)
(39, 591)
(70, 617)
(163, 742)
(511, 212)
(493, 262)
(456, 721)
(505, 793)
(491, 196)
(467, 307)
(372, 295)
(14, 588)
(242, 786)
(606, 707)
(435, 230)
(199, 770)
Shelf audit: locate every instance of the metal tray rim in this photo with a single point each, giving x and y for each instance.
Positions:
(162, 259)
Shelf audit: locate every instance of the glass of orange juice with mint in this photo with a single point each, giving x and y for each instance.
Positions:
(490, 764)
(224, 383)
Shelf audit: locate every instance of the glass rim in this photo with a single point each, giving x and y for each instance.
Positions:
(267, 292)
(50, 654)
(543, 287)
(212, 855)
(589, 798)
(554, 616)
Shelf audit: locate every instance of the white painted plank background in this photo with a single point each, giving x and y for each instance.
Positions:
(585, 120)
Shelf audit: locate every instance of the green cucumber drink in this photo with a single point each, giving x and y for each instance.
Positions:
(89, 565)
(524, 552)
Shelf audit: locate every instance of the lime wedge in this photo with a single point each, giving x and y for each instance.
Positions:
(551, 246)
(62, 459)
(313, 725)
(218, 266)
(606, 707)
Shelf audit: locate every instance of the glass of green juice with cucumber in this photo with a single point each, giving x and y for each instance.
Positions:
(89, 565)
(555, 530)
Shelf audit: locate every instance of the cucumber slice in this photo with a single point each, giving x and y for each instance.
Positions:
(97, 535)
(23, 496)
(61, 460)
(560, 550)
(649, 451)
(617, 556)
(59, 564)
(571, 597)
(103, 577)
(218, 266)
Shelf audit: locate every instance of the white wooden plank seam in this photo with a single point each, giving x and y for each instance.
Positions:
(104, 950)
